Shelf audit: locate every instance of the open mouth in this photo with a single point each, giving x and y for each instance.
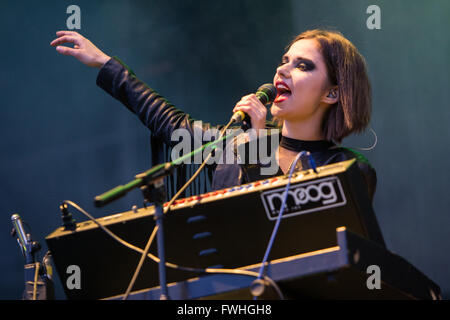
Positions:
(283, 92)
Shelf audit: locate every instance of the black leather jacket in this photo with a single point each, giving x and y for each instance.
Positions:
(162, 118)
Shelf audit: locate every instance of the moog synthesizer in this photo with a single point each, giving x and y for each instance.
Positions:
(227, 228)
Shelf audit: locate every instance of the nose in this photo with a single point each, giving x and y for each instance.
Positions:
(283, 70)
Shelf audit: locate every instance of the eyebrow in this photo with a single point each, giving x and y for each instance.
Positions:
(285, 57)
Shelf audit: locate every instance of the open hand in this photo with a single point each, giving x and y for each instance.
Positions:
(84, 50)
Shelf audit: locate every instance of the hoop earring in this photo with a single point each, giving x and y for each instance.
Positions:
(374, 144)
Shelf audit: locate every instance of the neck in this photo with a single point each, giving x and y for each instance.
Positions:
(307, 131)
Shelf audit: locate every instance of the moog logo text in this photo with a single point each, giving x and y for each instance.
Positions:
(305, 197)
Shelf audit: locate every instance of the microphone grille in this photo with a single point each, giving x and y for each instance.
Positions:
(267, 93)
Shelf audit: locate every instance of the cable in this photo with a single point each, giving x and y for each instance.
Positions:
(277, 224)
(141, 262)
(172, 265)
(147, 248)
(36, 272)
(175, 197)
(331, 158)
(111, 234)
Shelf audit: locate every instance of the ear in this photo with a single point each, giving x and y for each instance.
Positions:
(331, 96)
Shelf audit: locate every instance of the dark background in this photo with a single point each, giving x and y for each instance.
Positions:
(66, 139)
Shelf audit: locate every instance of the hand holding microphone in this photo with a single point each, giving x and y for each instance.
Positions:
(252, 107)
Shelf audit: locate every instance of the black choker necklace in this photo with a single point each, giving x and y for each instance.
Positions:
(303, 145)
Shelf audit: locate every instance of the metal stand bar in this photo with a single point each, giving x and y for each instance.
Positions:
(161, 252)
(154, 192)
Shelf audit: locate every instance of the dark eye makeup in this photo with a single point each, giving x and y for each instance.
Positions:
(306, 65)
(301, 63)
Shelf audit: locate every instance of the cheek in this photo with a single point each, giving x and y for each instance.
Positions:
(310, 87)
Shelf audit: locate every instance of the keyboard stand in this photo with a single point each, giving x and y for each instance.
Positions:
(340, 272)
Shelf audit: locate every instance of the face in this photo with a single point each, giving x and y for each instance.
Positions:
(302, 83)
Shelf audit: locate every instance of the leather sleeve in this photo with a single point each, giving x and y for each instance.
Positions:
(155, 112)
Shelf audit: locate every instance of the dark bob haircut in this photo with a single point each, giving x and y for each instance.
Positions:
(347, 70)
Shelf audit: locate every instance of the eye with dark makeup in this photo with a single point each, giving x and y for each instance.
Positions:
(301, 63)
(305, 65)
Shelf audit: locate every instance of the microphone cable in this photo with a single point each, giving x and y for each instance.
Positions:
(277, 224)
(168, 264)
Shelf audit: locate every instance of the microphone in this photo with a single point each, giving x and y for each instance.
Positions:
(20, 232)
(266, 94)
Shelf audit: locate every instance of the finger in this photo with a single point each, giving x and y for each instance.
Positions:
(62, 40)
(66, 33)
(253, 103)
(252, 98)
(257, 117)
(67, 51)
(244, 104)
(254, 108)
(66, 39)
(247, 97)
(240, 105)
(248, 110)
(255, 99)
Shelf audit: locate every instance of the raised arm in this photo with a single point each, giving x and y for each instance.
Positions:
(155, 112)
(159, 115)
